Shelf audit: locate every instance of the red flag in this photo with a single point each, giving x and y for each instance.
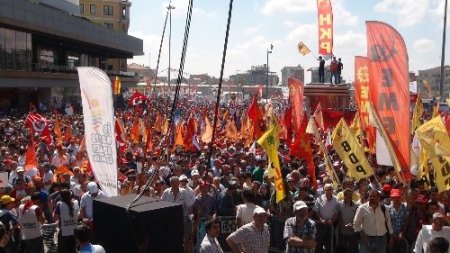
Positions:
(301, 148)
(137, 99)
(318, 117)
(362, 97)
(296, 91)
(325, 16)
(38, 124)
(256, 116)
(134, 132)
(389, 87)
(288, 125)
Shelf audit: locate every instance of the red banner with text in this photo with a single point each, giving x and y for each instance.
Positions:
(296, 91)
(389, 86)
(325, 22)
(362, 97)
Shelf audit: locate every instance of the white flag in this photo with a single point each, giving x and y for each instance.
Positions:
(98, 112)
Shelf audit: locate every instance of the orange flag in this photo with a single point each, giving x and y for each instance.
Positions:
(68, 134)
(207, 133)
(256, 115)
(30, 156)
(296, 90)
(318, 117)
(179, 136)
(389, 87)
(362, 98)
(134, 132)
(231, 130)
(57, 130)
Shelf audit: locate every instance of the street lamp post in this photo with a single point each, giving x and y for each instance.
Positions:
(267, 66)
(170, 8)
(441, 84)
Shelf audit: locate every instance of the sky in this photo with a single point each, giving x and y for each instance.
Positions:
(256, 24)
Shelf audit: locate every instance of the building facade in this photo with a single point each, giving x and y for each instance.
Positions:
(429, 79)
(257, 75)
(296, 72)
(41, 46)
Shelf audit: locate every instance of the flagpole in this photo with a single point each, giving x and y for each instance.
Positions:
(441, 83)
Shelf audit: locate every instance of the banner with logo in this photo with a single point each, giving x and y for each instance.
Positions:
(98, 112)
(348, 148)
(325, 21)
(389, 87)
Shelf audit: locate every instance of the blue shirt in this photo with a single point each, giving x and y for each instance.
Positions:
(397, 218)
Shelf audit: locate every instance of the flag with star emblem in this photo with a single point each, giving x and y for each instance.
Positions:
(269, 141)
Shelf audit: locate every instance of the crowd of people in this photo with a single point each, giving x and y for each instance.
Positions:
(227, 178)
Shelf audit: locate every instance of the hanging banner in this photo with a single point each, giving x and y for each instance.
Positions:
(362, 98)
(389, 87)
(296, 90)
(325, 21)
(98, 112)
(348, 148)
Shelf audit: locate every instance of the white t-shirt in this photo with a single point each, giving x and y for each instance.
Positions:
(87, 202)
(426, 234)
(245, 212)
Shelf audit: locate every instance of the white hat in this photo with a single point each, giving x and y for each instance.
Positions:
(92, 187)
(195, 173)
(259, 210)
(299, 205)
(19, 169)
(183, 177)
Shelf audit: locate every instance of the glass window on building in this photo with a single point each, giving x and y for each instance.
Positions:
(109, 25)
(124, 12)
(92, 9)
(81, 8)
(107, 10)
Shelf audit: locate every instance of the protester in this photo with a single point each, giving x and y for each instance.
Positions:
(300, 231)
(210, 243)
(253, 237)
(82, 233)
(429, 232)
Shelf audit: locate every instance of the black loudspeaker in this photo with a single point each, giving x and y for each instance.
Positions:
(150, 226)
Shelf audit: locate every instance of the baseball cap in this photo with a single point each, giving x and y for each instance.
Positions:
(438, 215)
(19, 169)
(299, 205)
(195, 173)
(6, 199)
(259, 210)
(183, 178)
(92, 187)
(395, 193)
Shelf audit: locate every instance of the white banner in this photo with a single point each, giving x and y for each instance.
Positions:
(383, 157)
(98, 112)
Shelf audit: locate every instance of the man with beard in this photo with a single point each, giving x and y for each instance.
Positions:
(299, 231)
(373, 223)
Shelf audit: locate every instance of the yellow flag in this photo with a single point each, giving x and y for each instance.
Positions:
(269, 141)
(423, 172)
(312, 128)
(441, 167)
(418, 111)
(356, 129)
(434, 138)
(303, 49)
(348, 148)
(436, 111)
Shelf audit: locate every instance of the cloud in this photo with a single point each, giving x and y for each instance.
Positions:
(250, 30)
(305, 33)
(272, 7)
(437, 12)
(342, 16)
(407, 12)
(423, 45)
